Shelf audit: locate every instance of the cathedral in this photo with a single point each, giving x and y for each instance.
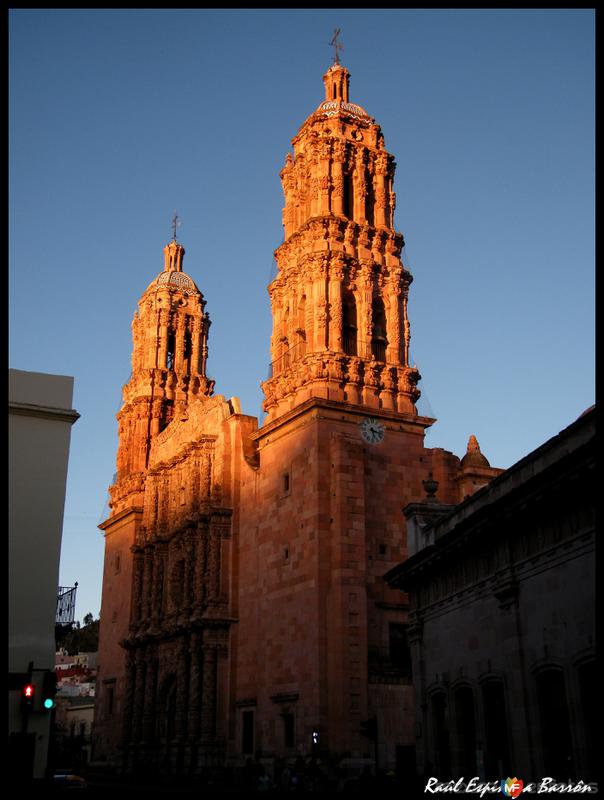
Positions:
(244, 608)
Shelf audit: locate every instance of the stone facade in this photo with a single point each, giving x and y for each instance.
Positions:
(244, 610)
(501, 620)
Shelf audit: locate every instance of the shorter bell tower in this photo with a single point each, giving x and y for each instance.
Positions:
(169, 356)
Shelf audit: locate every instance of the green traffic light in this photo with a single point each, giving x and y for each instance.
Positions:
(49, 703)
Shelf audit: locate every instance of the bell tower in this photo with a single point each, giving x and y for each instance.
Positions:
(340, 453)
(339, 301)
(170, 350)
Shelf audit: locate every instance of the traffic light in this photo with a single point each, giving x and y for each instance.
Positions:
(28, 696)
(49, 690)
(369, 728)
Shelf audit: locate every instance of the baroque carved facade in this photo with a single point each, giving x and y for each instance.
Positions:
(244, 607)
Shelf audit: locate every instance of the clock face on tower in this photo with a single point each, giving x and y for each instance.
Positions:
(373, 431)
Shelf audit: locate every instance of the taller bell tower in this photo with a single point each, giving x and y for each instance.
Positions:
(339, 301)
(340, 453)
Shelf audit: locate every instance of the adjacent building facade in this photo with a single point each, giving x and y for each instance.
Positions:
(501, 619)
(40, 420)
(244, 609)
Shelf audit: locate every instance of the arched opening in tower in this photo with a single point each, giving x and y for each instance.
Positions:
(171, 351)
(188, 349)
(379, 342)
(370, 201)
(349, 323)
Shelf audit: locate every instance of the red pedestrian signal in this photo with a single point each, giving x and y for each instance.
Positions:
(28, 695)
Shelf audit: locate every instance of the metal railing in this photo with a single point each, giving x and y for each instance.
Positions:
(66, 601)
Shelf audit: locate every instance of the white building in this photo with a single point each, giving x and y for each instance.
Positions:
(40, 420)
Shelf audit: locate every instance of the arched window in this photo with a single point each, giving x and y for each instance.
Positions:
(466, 730)
(369, 202)
(349, 323)
(555, 724)
(171, 351)
(379, 342)
(188, 349)
(586, 674)
(497, 752)
(442, 746)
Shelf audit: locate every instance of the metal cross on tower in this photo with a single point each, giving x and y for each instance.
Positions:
(336, 46)
(175, 224)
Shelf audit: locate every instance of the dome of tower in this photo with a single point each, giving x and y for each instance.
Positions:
(331, 108)
(178, 280)
(473, 457)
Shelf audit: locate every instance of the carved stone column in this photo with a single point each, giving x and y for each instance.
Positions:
(204, 342)
(393, 319)
(320, 306)
(139, 696)
(195, 345)
(179, 345)
(214, 564)
(406, 328)
(360, 187)
(365, 323)
(129, 687)
(163, 323)
(381, 190)
(195, 685)
(139, 569)
(337, 178)
(182, 688)
(208, 706)
(147, 604)
(200, 567)
(149, 710)
(323, 176)
(335, 307)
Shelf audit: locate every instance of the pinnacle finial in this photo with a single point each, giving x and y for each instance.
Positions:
(473, 446)
(336, 46)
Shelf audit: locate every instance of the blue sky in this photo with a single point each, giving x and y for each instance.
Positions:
(119, 118)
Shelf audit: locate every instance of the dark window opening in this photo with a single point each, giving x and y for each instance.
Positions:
(171, 351)
(466, 729)
(370, 203)
(555, 724)
(379, 342)
(349, 324)
(588, 690)
(286, 482)
(442, 744)
(247, 732)
(497, 754)
(188, 348)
